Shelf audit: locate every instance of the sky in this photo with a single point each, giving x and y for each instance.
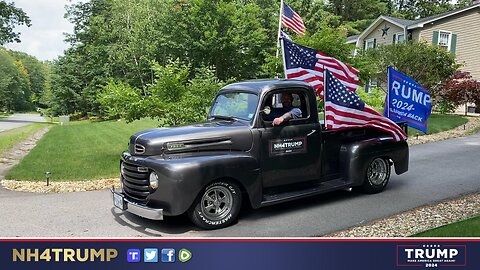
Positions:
(44, 39)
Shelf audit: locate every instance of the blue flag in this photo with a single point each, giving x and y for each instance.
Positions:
(407, 101)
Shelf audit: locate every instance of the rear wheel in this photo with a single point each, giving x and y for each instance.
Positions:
(376, 176)
(217, 207)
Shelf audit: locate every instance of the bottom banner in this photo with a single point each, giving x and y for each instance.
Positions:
(242, 254)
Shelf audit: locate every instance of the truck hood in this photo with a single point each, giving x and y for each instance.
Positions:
(207, 136)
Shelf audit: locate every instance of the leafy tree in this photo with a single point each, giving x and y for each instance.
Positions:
(173, 99)
(357, 10)
(414, 9)
(36, 71)
(11, 16)
(427, 64)
(13, 83)
(460, 89)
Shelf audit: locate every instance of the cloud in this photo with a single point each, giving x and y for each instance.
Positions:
(44, 39)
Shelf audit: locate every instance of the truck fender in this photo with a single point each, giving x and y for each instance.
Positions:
(356, 156)
(190, 175)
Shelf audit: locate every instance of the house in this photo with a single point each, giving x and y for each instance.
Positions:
(457, 31)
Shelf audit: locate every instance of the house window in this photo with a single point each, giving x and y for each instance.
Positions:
(369, 44)
(399, 38)
(444, 40)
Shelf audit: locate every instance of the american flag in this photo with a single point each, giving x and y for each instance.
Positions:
(292, 20)
(344, 109)
(307, 64)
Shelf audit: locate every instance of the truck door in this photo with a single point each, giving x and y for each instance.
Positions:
(291, 151)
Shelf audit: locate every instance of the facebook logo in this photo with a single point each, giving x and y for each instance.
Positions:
(133, 255)
(168, 255)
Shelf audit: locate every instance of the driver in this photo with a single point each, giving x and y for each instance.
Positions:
(287, 111)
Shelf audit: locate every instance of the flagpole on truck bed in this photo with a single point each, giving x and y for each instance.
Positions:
(388, 93)
(279, 28)
(283, 59)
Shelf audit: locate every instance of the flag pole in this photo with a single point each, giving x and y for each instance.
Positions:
(283, 59)
(388, 92)
(324, 97)
(279, 28)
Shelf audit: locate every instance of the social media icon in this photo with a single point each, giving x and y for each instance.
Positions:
(168, 255)
(184, 255)
(133, 255)
(150, 255)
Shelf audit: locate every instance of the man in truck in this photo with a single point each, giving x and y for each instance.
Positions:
(287, 111)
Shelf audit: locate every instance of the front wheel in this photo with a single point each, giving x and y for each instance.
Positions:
(217, 207)
(376, 176)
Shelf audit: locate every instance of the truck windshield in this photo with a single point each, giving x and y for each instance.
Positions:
(235, 105)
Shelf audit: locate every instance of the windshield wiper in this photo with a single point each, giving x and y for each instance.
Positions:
(222, 117)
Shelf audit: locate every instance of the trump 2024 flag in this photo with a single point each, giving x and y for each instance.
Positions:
(407, 101)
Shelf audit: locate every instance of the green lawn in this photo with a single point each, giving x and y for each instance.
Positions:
(11, 137)
(91, 150)
(81, 150)
(465, 228)
(440, 122)
(4, 115)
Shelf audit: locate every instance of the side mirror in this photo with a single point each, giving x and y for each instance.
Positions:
(266, 110)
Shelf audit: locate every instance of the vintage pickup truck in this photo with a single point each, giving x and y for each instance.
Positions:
(207, 170)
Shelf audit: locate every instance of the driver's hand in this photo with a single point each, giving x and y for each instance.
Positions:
(277, 121)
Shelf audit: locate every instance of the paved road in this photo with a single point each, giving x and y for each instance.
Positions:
(438, 171)
(20, 119)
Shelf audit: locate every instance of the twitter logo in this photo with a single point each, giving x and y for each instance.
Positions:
(150, 255)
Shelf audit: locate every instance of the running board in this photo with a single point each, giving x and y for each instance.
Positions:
(324, 187)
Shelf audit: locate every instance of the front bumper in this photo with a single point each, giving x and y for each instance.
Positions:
(124, 204)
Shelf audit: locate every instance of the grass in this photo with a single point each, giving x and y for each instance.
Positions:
(4, 115)
(81, 150)
(465, 228)
(440, 122)
(11, 137)
(86, 150)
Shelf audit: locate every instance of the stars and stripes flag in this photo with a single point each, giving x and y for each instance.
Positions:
(292, 20)
(307, 64)
(344, 109)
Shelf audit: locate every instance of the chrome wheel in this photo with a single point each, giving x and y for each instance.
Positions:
(378, 172)
(217, 203)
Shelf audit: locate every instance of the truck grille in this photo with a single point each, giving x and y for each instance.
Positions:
(135, 182)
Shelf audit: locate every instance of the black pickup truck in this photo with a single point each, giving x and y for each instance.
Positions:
(208, 169)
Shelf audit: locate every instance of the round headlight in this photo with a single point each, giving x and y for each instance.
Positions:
(153, 180)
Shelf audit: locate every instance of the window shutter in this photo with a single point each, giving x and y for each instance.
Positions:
(435, 38)
(393, 41)
(453, 45)
(374, 43)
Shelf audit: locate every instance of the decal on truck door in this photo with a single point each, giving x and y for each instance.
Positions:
(288, 146)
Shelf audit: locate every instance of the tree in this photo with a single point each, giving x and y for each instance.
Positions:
(173, 99)
(13, 83)
(461, 89)
(357, 10)
(415, 9)
(11, 16)
(36, 71)
(429, 65)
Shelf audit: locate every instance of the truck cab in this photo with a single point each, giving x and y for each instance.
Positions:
(208, 169)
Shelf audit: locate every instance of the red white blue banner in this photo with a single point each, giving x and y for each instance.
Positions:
(241, 254)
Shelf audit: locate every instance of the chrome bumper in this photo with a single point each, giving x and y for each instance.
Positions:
(137, 209)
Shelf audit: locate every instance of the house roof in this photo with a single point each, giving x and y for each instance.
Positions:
(420, 22)
(402, 22)
(410, 24)
(352, 39)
